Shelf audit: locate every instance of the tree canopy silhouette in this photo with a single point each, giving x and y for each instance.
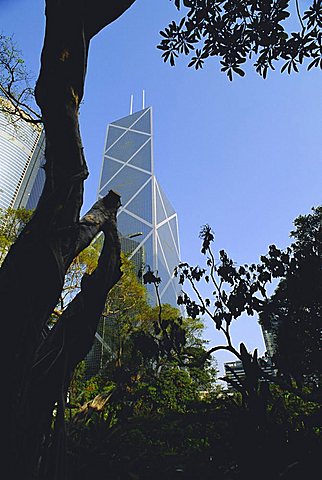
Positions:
(236, 31)
(294, 311)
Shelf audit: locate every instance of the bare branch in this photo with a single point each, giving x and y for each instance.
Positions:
(14, 83)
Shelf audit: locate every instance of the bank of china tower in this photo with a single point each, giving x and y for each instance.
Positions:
(147, 221)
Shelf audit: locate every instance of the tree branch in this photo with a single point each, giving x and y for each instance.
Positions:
(69, 341)
(108, 13)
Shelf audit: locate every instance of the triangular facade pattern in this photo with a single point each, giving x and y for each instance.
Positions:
(146, 214)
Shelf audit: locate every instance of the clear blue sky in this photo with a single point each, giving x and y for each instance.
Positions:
(245, 157)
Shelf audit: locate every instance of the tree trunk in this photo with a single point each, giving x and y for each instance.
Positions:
(37, 372)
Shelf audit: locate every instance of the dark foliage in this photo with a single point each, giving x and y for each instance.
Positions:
(236, 31)
(264, 431)
(294, 313)
(219, 439)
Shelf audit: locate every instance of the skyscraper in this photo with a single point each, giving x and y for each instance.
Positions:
(21, 156)
(146, 213)
(147, 222)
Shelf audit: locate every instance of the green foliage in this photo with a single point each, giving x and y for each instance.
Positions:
(128, 298)
(156, 363)
(299, 414)
(236, 31)
(151, 379)
(12, 222)
(85, 262)
(294, 312)
(174, 389)
(151, 416)
(218, 439)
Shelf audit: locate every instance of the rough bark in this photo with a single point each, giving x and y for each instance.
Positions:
(36, 373)
(67, 343)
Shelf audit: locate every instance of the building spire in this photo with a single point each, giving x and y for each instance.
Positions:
(131, 105)
(143, 99)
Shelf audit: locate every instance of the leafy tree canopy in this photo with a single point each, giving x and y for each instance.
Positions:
(234, 31)
(156, 359)
(12, 222)
(294, 312)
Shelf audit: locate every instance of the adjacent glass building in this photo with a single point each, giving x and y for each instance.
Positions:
(22, 148)
(146, 213)
(270, 338)
(235, 373)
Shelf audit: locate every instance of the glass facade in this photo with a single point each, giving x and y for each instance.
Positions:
(147, 222)
(146, 212)
(235, 373)
(270, 338)
(21, 155)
